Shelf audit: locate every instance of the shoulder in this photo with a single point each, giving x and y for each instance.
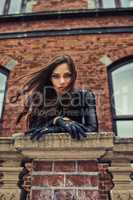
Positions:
(86, 96)
(84, 92)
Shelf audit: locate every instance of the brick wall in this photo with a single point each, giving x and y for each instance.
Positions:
(54, 24)
(44, 5)
(105, 181)
(86, 51)
(65, 180)
(32, 54)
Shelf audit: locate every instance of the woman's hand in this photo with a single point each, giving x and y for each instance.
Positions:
(38, 133)
(75, 129)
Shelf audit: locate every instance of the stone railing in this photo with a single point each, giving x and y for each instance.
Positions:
(61, 146)
(121, 158)
(59, 155)
(9, 169)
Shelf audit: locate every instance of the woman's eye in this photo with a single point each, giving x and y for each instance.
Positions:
(55, 76)
(67, 76)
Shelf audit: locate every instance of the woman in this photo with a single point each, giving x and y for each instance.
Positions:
(54, 105)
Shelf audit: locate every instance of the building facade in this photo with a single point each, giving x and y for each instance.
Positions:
(99, 37)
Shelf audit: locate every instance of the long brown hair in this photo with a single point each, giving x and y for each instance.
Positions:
(42, 79)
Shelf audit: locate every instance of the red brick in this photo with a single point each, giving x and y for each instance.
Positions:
(81, 180)
(48, 180)
(64, 166)
(88, 195)
(44, 5)
(42, 166)
(86, 50)
(87, 166)
(105, 178)
(44, 194)
(104, 195)
(65, 194)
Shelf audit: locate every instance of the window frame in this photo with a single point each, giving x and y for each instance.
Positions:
(7, 7)
(114, 66)
(6, 73)
(99, 4)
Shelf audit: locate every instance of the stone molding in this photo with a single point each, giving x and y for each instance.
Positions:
(62, 147)
(121, 157)
(9, 194)
(103, 146)
(122, 195)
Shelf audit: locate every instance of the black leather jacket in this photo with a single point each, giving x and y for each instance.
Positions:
(79, 106)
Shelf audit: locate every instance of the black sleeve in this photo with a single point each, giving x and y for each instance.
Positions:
(89, 111)
(39, 121)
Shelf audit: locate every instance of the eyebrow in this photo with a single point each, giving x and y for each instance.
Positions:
(59, 73)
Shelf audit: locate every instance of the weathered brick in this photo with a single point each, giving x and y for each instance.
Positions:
(44, 194)
(44, 5)
(64, 166)
(48, 180)
(81, 180)
(65, 194)
(44, 166)
(105, 180)
(87, 166)
(90, 66)
(87, 60)
(88, 195)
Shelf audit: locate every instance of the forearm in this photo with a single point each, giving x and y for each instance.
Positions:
(91, 121)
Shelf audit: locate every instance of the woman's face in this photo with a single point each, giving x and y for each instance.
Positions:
(61, 77)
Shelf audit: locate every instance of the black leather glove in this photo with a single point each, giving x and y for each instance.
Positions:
(37, 133)
(75, 129)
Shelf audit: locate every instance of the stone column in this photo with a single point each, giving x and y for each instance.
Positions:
(121, 169)
(63, 167)
(9, 169)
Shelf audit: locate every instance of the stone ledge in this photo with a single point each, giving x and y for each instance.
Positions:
(63, 140)
(119, 140)
(122, 195)
(13, 194)
(10, 169)
(6, 144)
(61, 146)
(124, 145)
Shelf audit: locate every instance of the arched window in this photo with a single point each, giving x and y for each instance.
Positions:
(15, 6)
(121, 92)
(3, 84)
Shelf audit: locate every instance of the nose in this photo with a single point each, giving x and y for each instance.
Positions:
(62, 80)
